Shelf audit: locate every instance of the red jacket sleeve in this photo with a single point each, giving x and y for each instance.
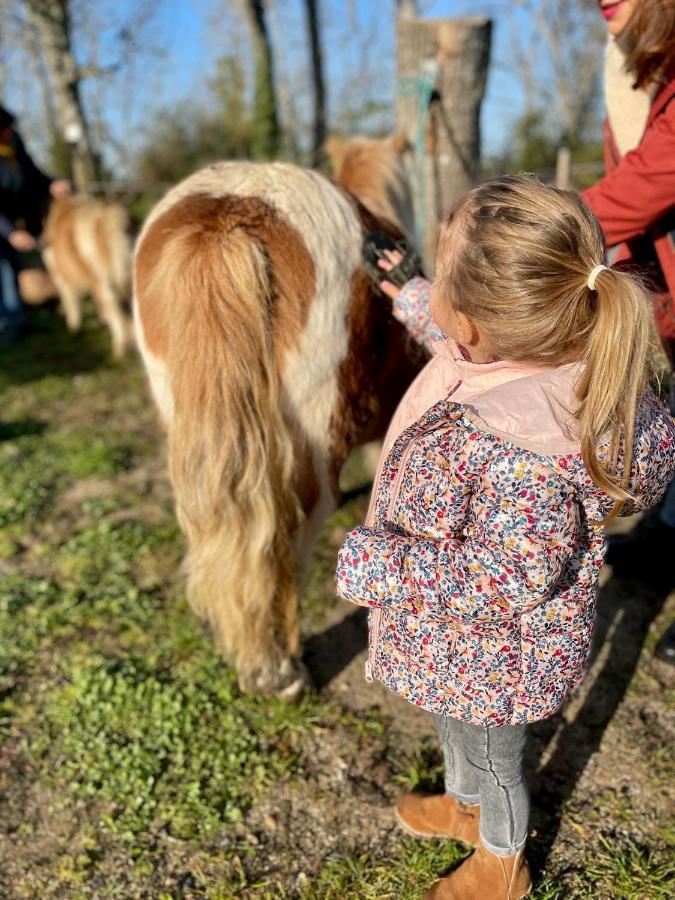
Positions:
(641, 189)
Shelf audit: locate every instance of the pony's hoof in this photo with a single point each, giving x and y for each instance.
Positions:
(300, 681)
(288, 682)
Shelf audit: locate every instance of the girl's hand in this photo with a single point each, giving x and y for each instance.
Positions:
(392, 260)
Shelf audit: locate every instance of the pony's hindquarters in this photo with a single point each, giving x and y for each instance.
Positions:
(87, 250)
(223, 289)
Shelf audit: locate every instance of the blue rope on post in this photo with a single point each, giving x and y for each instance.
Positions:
(423, 86)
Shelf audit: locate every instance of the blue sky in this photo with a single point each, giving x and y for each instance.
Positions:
(185, 37)
(192, 41)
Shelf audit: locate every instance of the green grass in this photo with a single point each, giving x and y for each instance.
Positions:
(34, 466)
(155, 736)
(631, 872)
(420, 771)
(48, 357)
(407, 873)
(118, 699)
(130, 764)
(159, 747)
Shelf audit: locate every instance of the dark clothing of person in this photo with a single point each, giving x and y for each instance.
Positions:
(24, 194)
(24, 190)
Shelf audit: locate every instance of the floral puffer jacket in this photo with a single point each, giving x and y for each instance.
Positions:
(480, 558)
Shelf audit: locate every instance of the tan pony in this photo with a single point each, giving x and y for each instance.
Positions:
(269, 358)
(86, 250)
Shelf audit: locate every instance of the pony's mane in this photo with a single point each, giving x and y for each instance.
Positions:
(373, 170)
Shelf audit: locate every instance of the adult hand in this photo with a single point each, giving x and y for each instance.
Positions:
(22, 240)
(393, 258)
(60, 188)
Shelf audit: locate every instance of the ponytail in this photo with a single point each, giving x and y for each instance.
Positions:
(520, 258)
(615, 376)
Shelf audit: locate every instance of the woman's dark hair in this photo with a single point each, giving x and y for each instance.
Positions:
(650, 37)
(7, 119)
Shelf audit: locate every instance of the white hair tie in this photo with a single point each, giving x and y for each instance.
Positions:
(593, 277)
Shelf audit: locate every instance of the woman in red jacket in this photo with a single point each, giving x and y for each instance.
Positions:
(635, 201)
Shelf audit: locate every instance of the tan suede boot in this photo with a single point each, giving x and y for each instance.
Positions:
(437, 816)
(484, 876)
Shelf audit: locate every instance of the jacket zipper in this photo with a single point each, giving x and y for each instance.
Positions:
(376, 614)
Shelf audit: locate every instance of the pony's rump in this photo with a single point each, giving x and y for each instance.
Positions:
(266, 356)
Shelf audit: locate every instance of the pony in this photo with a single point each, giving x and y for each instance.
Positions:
(270, 358)
(86, 250)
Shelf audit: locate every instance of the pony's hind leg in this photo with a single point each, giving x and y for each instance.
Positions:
(71, 303)
(253, 610)
(110, 310)
(68, 294)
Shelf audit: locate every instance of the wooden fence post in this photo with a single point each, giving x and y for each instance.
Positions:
(563, 169)
(442, 69)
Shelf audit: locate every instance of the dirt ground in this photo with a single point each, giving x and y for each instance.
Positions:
(131, 767)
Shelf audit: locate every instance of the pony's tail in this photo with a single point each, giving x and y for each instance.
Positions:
(230, 450)
(617, 371)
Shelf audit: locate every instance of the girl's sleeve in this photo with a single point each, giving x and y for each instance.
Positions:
(511, 559)
(641, 189)
(411, 308)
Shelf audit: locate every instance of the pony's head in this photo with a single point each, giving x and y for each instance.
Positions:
(373, 170)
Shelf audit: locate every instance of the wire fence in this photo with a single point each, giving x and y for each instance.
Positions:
(131, 190)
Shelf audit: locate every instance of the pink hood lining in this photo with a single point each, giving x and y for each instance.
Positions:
(531, 406)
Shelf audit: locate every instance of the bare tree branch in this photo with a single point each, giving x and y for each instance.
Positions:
(557, 60)
(266, 118)
(406, 9)
(317, 77)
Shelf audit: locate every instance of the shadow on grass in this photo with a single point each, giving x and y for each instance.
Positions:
(47, 348)
(9, 431)
(363, 490)
(328, 653)
(626, 609)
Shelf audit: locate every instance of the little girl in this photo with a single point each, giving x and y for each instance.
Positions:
(531, 426)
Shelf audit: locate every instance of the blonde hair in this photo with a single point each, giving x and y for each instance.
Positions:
(515, 257)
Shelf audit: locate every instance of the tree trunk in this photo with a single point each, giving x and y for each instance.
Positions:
(3, 65)
(266, 133)
(52, 23)
(406, 9)
(37, 63)
(442, 70)
(563, 169)
(317, 79)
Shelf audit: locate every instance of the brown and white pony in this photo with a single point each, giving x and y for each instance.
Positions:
(86, 250)
(269, 358)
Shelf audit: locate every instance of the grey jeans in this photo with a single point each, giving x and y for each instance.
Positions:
(485, 765)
